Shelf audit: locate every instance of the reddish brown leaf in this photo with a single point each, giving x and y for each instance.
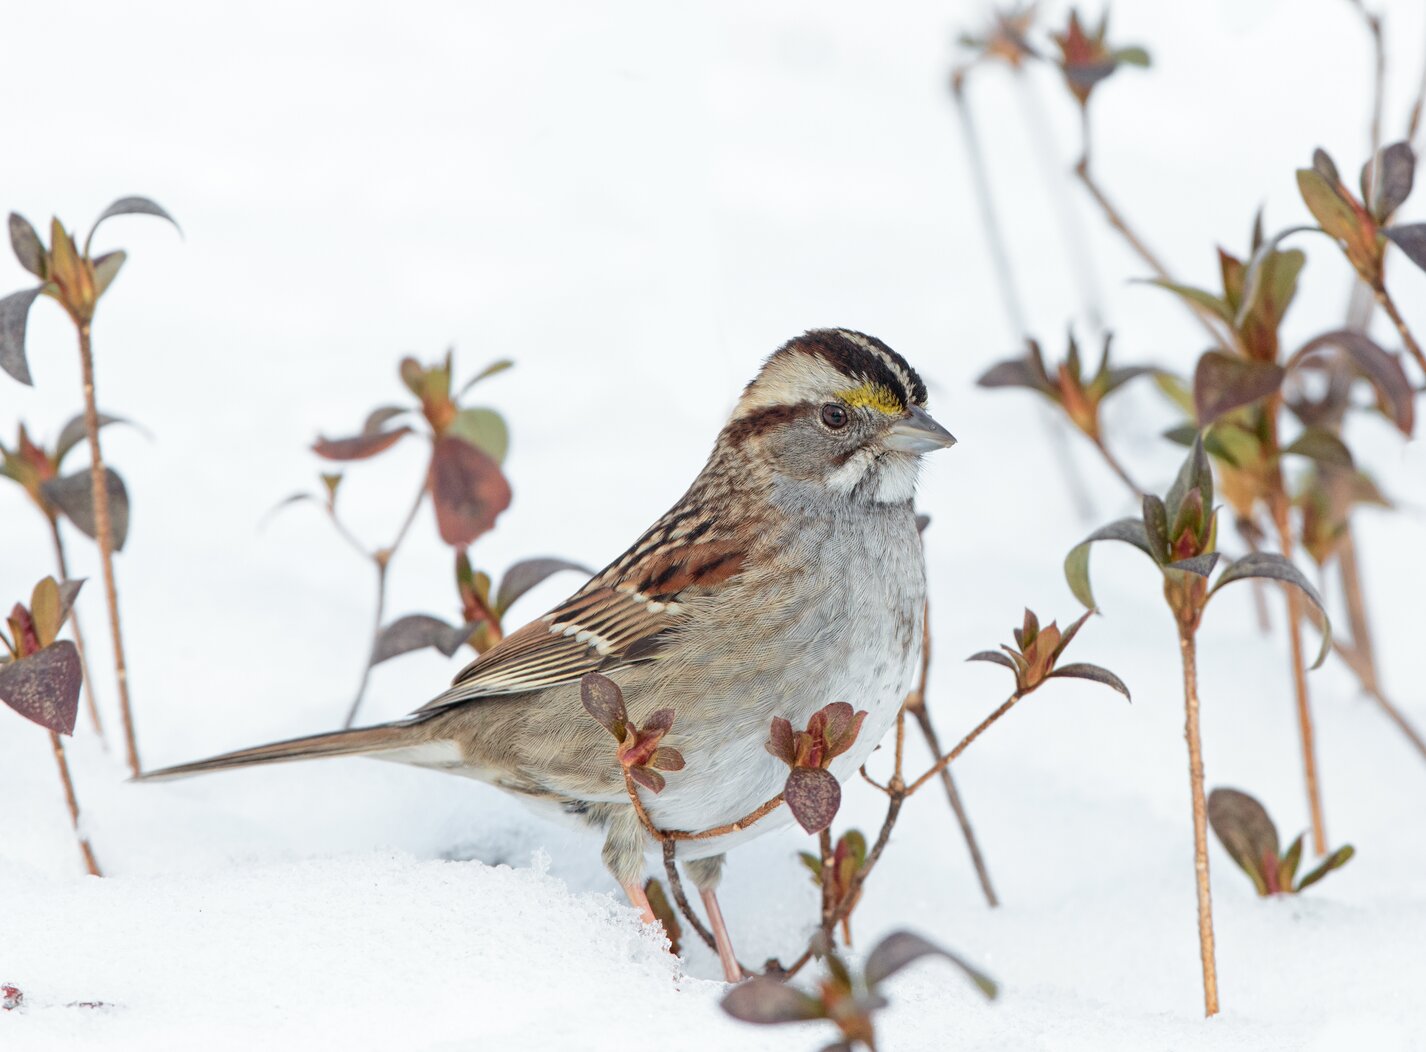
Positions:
(1224, 382)
(604, 701)
(813, 795)
(358, 447)
(74, 495)
(468, 489)
(44, 687)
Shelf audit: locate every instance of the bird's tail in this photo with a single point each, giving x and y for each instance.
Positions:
(361, 741)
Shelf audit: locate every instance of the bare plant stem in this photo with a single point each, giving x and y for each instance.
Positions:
(72, 801)
(1119, 223)
(106, 546)
(62, 564)
(953, 797)
(680, 899)
(1187, 651)
(916, 705)
(1408, 341)
(1113, 463)
(1009, 290)
(381, 559)
(994, 236)
(1413, 126)
(1299, 681)
(964, 744)
(1071, 229)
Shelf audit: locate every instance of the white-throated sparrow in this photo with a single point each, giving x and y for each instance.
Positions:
(788, 576)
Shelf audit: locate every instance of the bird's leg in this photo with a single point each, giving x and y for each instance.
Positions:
(705, 874)
(731, 971)
(624, 857)
(636, 895)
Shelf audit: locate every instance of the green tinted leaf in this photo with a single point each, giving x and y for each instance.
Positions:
(902, 948)
(1194, 473)
(1130, 531)
(1203, 299)
(1247, 833)
(484, 429)
(495, 367)
(1336, 860)
(1287, 869)
(1321, 446)
(45, 610)
(1266, 564)
(1327, 206)
(1156, 527)
(1175, 390)
(106, 269)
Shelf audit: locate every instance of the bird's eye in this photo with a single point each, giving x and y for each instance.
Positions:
(835, 416)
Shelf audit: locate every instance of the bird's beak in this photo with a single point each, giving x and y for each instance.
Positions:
(918, 433)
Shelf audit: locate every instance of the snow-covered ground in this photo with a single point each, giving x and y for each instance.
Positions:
(637, 202)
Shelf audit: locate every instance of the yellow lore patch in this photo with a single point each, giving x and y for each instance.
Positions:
(874, 396)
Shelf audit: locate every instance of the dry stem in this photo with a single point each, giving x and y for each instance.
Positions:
(916, 705)
(1118, 222)
(1408, 341)
(72, 801)
(1187, 651)
(106, 547)
(380, 558)
(1299, 678)
(681, 900)
(1005, 281)
(62, 564)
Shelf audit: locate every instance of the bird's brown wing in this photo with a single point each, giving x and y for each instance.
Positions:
(622, 615)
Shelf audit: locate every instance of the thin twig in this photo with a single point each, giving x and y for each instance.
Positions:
(675, 883)
(1081, 262)
(916, 705)
(1119, 223)
(62, 564)
(1408, 341)
(1299, 680)
(1009, 290)
(102, 527)
(381, 559)
(953, 797)
(1207, 956)
(965, 742)
(990, 220)
(1113, 463)
(72, 801)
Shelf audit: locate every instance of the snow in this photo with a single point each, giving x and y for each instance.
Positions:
(637, 202)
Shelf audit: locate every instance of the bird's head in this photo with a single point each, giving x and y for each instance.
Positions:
(840, 413)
